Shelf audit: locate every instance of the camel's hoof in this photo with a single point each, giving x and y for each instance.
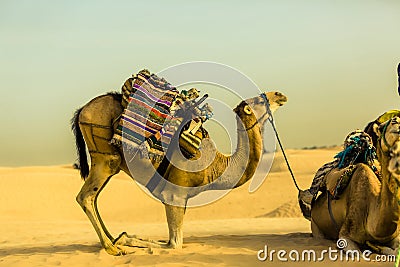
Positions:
(381, 249)
(122, 239)
(116, 250)
(132, 241)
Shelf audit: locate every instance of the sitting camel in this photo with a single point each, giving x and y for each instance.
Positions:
(93, 126)
(368, 211)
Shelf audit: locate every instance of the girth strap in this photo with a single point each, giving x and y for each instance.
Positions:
(329, 196)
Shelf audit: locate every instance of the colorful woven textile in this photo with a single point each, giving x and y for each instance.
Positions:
(147, 116)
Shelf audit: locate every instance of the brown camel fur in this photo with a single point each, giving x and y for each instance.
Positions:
(367, 213)
(94, 125)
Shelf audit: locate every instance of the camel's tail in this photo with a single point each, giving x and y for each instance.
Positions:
(80, 145)
(398, 78)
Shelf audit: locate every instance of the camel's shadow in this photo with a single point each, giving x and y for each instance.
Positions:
(253, 242)
(50, 249)
(258, 241)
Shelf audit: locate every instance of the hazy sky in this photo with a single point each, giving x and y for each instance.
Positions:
(335, 60)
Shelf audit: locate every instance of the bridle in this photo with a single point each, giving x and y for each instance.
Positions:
(383, 136)
(387, 153)
(267, 112)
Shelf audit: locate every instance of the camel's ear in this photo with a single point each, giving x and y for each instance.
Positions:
(378, 129)
(247, 110)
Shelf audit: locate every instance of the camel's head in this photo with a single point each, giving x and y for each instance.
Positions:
(388, 134)
(256, 108)
(389, 143)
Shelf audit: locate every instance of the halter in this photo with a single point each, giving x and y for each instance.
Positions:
(268, 111)
(271, 120)
(388, 152)
(382, 137)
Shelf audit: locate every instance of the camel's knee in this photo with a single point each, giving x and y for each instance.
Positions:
(103, 168)
(80, 199)
(90, 191)
(85, 198)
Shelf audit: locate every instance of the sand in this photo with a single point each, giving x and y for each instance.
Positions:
(42, 225)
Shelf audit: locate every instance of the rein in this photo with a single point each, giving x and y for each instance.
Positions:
(254, 124)
(271, 120)
(382, 137)
(397, 182)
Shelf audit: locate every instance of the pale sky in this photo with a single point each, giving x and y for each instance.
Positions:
(335, 60)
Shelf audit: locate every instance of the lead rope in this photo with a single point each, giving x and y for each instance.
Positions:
(271, 120)
(398, 248)
(398, 89)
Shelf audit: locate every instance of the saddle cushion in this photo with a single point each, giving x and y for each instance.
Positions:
(148, 108)
(337, 180)
(150, 118)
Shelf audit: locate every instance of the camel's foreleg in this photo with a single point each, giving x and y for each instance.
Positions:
(103, 167)
(316, 232)
(395, 243)
(175, 222)
(389, 248)
(175, 225)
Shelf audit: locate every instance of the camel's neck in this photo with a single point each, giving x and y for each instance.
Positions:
(388, 216)
(241, 165)
(248, 151)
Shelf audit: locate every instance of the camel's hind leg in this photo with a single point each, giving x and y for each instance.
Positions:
(103, 167)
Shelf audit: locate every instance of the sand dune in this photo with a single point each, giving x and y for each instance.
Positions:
(42, 225)
(288, 210)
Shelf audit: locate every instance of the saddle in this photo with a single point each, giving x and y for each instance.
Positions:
(153, 114)
(337, 180)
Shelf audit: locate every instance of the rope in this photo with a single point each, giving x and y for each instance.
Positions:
(271, 120)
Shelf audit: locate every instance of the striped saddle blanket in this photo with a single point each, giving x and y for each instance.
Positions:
(147, 100)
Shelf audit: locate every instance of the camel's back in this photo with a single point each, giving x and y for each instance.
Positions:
(102, 110)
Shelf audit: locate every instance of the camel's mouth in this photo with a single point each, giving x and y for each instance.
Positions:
(282, 101)
(279, 98)
(393, 168)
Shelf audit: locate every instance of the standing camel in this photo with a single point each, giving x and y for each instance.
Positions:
(93, 125)
(368, 211)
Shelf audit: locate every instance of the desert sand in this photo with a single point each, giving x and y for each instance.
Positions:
(42, 225)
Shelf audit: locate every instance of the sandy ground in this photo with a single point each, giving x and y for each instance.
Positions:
(42, 225)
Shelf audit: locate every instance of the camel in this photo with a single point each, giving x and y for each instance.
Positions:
(367, 214)
(94, 124)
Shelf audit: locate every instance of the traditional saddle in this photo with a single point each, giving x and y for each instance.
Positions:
(154, 111)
